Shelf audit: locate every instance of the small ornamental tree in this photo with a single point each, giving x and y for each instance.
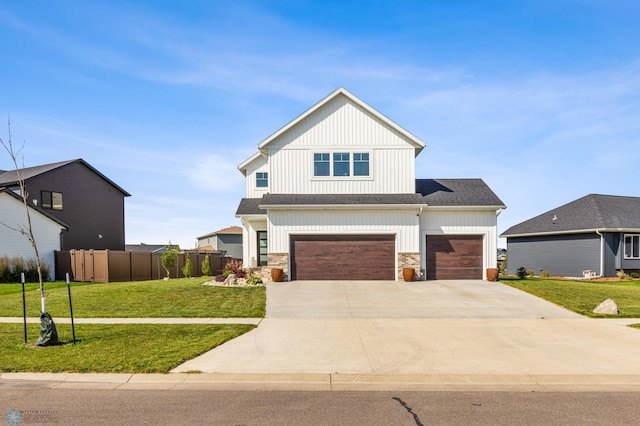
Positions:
(522, 272)
(206, 267)
(187, 269)
(170, 257)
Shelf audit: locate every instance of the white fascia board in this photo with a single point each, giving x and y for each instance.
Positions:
(491, 208)
(574, 231)
(243, 166)
(417, 143)
(343, 206)
(251, 216)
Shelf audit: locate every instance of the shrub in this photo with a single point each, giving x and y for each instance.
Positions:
(235, 267)
(254, 279)
(635, 275)
(522, 272)
(530, 272)
(186, 269)
(220, 278)
(206, 266)
(621, 274)
(12, 268)
(544, 274)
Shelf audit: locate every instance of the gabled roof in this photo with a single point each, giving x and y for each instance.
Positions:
(43, 212)
(457, 193)
(589, 213)
(10, 178)
(412, 139)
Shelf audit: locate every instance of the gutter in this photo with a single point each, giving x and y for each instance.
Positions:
(601, 252)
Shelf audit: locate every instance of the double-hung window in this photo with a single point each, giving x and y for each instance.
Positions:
(321, 164)
(262, 180)
(361, 164)
(632, 246)
(341, 164)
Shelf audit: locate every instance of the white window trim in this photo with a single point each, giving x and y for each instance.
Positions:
(624, 248)
(351, 151)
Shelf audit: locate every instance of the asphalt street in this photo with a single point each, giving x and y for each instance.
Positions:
(37, 403)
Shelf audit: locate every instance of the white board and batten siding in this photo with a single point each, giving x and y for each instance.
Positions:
(402, 223)
(257, 165)
(341, 126)
(462, 222)
(12, 243)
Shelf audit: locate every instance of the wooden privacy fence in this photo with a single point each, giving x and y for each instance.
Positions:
(112, 265)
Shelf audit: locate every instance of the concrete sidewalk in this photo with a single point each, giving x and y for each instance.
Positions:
(252, 321)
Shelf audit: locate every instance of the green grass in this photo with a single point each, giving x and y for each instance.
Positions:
(583, 296)
(149, 299)
(122, 348)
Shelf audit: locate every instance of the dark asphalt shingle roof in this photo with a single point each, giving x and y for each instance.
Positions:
(249, 206)
(342, 199)
(457, 193)
(10, 177)
(431, 192)
(593, 211)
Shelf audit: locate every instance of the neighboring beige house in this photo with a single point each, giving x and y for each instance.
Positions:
(334, 195)
(228, 240)
(46, 230)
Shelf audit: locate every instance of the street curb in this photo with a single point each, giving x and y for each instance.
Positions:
(332, 382)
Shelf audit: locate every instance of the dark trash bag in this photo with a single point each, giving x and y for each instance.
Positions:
(48, 332)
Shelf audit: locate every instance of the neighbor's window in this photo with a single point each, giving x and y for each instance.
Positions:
(341, 163)
(632, 246)
(361, 164)
(263, 249)
(262, 179)
(321, 164)
(51, 200)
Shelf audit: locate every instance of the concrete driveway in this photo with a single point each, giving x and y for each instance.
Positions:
(422, 328)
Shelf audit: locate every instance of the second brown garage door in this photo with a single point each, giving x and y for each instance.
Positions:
(451, 257)
(342, 257)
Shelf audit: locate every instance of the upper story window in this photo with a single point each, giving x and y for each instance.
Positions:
(632, 246)
(51, 200)
(321, 164)
(262, 180)
(341, 164)
(361, 164)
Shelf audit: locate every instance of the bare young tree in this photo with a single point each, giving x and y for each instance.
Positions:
(27, 230)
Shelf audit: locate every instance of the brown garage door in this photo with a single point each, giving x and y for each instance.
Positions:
(343, 257)
(453, 257)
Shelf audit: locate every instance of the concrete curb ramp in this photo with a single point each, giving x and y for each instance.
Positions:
(332, 382)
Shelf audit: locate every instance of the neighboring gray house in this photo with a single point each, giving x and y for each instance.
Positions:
(228, 240)
(593, 235)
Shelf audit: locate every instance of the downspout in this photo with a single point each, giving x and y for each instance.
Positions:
(601, 253)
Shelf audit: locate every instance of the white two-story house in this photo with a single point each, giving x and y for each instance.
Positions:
(333, 195)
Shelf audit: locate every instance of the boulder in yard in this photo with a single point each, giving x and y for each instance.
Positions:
(607, 307)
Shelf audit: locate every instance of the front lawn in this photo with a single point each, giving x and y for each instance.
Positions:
(182, 297)
(583, 296)
(122, 348)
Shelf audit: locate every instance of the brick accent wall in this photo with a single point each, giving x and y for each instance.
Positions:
(409, 260)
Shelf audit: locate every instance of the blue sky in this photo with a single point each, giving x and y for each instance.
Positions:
(541, 99)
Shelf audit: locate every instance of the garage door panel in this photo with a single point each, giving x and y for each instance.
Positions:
(343, 257)
(454, 257)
